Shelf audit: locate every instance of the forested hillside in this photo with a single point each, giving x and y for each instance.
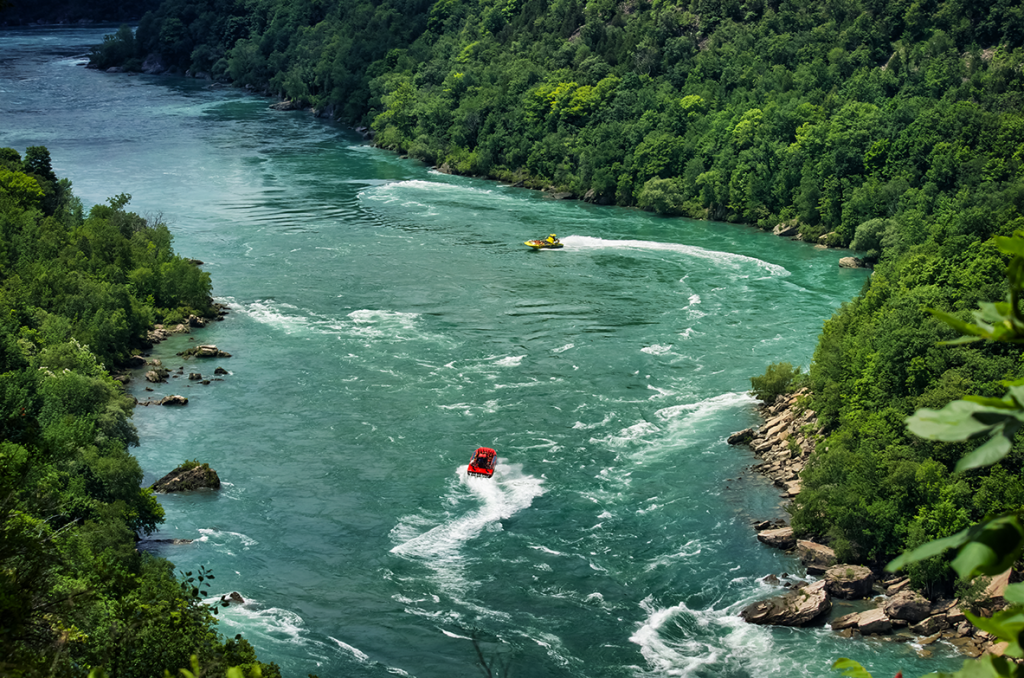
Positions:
(892, 127)
(78, 290)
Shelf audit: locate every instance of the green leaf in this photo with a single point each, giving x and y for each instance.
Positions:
(998, 403)
(925, 551)
(956, 323)
(1014, 593)
(997, 447)
(850, 668)
(993, 547)
(954, 422)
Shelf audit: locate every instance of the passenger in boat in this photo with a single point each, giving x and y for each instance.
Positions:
(552, 238)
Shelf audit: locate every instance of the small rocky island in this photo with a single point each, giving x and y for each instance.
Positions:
(190, 476)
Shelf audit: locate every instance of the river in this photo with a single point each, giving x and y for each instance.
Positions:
(385, 321)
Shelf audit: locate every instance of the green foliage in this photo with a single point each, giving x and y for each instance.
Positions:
(77, 293)
(777, 380)
(995, 544)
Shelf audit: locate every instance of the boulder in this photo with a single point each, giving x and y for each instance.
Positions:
(204, 351)
(849, 581)
(740, 437)
(815, 557)
(801, 607)
(156, 375)
(847, 621)
(786, 228)
(873, 621)
(174, 400)
(781, 538)
(909, 605)
(897, 586)
(189, 476)
(220, 370)
(851, 262)
(194, 376)
(930, 625)
(954, 616)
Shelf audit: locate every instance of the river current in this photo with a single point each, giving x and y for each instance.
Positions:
(385, 320)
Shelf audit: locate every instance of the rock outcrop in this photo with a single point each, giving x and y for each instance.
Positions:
(849, 581)
(815, 557)
(187, 477)
(204, 351)
(804, 606)
(907, 605)
(851, 262)
(780, 538)
(787, 228)
(783, 442)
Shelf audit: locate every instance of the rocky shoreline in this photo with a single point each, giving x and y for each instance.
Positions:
(784, 444)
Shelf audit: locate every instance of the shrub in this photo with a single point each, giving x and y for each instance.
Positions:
(778, 379)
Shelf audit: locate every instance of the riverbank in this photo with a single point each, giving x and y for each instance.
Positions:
(785, 443)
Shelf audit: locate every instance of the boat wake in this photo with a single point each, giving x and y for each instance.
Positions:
(587, 242)
(442, 543)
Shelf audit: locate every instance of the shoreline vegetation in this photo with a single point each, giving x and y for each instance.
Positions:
(785, 443)
(81, 293)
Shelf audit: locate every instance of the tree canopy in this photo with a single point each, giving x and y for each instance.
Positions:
(78, 290)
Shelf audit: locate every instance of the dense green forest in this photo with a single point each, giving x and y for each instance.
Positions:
(894, 128)
(78, 290)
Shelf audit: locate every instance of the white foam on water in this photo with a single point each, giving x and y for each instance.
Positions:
(510, 361)
(563, 349)
(628, 436)
(692, 413)
(729, 258)
(688, 550)
(366, 325)
(657, 349)
(687, 333)
(272, 623)
(694, 299)
(579, 425)
(225, 541)
(354, 651)
(441, 547)
(454, 635)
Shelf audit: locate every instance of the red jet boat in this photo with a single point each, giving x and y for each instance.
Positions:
(483, 462)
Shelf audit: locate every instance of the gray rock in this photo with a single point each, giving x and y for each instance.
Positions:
(930, 625)
(781, 538)
(815, 557)
(787, 228)
(188, 477)
(851, 262)
(873, 621)
(740, 437)
(847, 621)
(849, 581)
(801, 607)
(909, 605)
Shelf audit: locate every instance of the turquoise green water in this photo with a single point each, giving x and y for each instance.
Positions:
(385, 321)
